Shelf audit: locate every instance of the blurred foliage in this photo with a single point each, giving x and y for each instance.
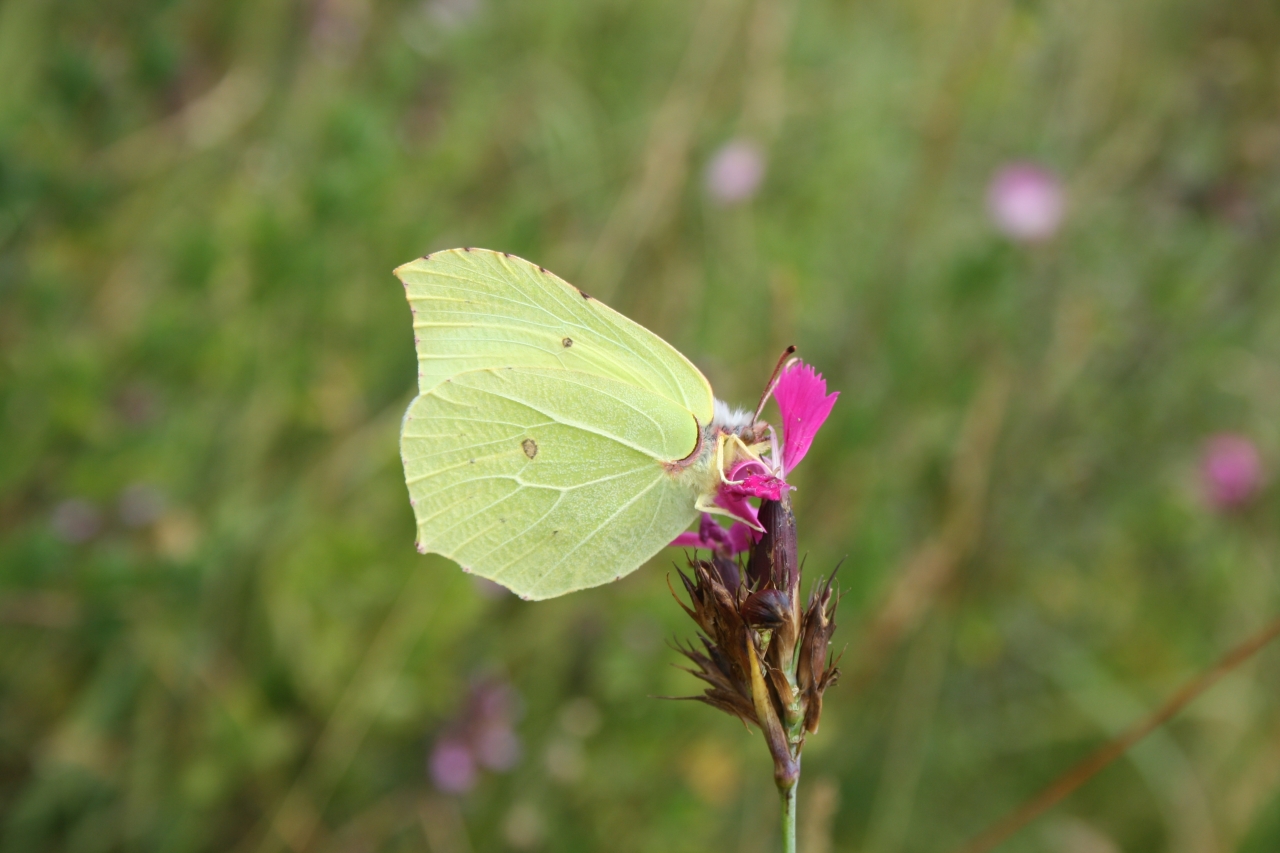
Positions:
(215, 633)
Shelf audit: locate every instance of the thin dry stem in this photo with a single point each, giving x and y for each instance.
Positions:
(1082, 772)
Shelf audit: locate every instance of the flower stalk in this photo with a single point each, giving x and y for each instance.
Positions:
(789, 817)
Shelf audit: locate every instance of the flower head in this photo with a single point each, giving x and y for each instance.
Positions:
(759, 469)
(1230, 471)
(481, 736)
(1026, 202)
(735, 172)
(76, 520)
(452, 767)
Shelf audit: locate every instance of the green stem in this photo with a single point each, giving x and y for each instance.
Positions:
(789, 816)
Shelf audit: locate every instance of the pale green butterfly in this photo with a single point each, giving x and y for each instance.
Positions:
(554, 444)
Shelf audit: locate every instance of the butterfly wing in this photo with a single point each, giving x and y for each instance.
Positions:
(545, 480)
(537, 452)
(475, 309)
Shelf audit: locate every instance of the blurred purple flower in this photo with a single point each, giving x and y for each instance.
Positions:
(452, 768)
(497, 748)
(481, 736)
(140, 505)
(492, 699)
(1026, 202)
(76, 520)
(1230, 471)
(735, 172)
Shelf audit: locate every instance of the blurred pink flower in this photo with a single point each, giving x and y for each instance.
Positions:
(76, 520)
(496, 747)
(452, 768)
(1026, 202)
(482, 735)
(493, 699)
(1230, 471)
(735, 172)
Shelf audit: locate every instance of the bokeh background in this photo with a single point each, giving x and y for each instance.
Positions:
(1032, 243)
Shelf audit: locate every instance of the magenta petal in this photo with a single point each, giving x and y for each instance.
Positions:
(742, 537)
(740, 470)
(689, 539)
(737, 505)
(711, 531)
(711, 536)
(804, 403)
(761, 486)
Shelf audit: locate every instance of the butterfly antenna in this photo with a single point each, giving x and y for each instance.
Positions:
(783, 361)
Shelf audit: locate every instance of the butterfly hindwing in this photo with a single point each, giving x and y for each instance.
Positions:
(546, 480)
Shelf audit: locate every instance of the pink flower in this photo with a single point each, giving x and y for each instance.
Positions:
(1230, 471)
(496, 747)
(804, 404)
(734, 501)
(452, 767)
(76, 520)
(482, 735)
(714, 537)
(1026, 202)
(735, 172)
(751, 479)
(803, 401)
(762, 486)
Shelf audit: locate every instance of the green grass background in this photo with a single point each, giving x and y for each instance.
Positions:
(201, 204)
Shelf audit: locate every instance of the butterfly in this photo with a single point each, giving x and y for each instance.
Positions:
(554, 444)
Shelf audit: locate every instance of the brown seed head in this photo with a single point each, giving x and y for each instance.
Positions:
(763, 658)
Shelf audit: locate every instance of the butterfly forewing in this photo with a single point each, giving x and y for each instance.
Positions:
(475, 309)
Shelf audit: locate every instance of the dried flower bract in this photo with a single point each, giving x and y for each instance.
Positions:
(765, 659)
